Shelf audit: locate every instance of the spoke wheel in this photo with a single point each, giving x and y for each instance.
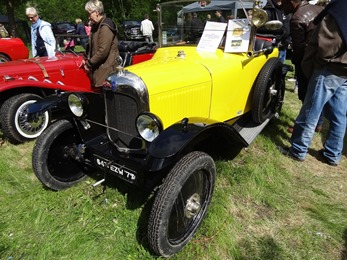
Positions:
(52, 159)
(268, 91)
(181, 203)
(14, 122)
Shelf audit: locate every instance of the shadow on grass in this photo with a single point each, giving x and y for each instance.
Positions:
(262, 248)
(275, 132)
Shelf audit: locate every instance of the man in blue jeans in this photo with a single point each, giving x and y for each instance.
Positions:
(325, 63)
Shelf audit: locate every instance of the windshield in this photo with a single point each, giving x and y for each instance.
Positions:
(132, 23)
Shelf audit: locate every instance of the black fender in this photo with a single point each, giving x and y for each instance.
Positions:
(49, 102)
(180, 138)
(57, 104)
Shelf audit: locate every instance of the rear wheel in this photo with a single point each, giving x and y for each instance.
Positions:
(181, 203)
(52, 158)
(14, 123)
(268, 91)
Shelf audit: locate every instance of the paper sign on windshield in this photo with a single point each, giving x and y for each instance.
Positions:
(212, 36)
(238, 34)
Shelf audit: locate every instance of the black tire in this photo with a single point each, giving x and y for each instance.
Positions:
(15, 126)
(4, 58)
(173, 221)
(51, 163)
(268, 91)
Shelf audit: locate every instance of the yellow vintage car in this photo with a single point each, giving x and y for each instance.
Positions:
(154, 124)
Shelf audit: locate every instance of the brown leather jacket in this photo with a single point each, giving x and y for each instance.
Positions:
(103, 50)
(301, 27)
(326, 48)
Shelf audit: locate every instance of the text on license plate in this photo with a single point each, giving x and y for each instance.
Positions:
(115, 168)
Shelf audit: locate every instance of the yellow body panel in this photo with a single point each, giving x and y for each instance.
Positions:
(216, 85)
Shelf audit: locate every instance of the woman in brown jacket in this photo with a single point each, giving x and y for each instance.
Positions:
(102, 50)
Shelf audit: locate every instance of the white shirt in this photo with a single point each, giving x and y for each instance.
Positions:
(147, 27)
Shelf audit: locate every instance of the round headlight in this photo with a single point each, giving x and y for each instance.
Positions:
(148, 126)
(75, 105)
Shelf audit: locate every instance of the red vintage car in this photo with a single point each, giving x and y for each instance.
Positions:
(12, 49)
(25, 81)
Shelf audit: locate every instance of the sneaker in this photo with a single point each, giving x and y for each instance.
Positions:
(329, 162)
(287, 152)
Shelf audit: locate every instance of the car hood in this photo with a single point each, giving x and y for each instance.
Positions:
(35, 68)
(180, 80)
(183, 66)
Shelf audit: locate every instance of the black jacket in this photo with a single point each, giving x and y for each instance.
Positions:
(301, 27)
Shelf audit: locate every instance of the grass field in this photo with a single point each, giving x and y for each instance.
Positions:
(265, 206)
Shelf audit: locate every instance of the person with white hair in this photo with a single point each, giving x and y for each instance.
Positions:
(102, 49)
(43, 42)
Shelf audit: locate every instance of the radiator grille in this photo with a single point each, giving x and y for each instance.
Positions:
(121, 114)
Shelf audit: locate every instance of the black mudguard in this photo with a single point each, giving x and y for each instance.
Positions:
(57, 105)
(55, 101)
(178, 139)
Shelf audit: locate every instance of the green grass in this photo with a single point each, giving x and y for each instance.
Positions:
(265, 206)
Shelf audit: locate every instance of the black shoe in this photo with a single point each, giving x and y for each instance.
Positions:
(287, 152)
(329, 162)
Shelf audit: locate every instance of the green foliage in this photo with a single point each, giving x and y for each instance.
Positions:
(54, 11)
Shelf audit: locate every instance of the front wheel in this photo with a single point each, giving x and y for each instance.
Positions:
(14, 122)
(181, 203)
(268, 91)
(52, 159)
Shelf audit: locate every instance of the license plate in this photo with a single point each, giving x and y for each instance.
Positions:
(116, 169)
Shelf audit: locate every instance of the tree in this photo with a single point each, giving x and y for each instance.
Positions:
(10, 9)
(53, 10)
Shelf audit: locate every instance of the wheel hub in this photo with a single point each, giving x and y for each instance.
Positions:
(34, 123)
(193, 206)
(273, 91)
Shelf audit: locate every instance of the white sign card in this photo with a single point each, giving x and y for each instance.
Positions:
(211, 37)
(238, 34)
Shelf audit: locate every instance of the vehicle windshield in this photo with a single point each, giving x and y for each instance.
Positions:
(183, 22)
(131, 23)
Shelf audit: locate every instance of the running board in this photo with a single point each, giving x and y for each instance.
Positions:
(249, 130)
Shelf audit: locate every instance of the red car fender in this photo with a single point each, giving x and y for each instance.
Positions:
(14, 48)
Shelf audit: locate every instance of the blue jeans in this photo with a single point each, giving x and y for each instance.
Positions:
(283, 55)
(329, 91)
